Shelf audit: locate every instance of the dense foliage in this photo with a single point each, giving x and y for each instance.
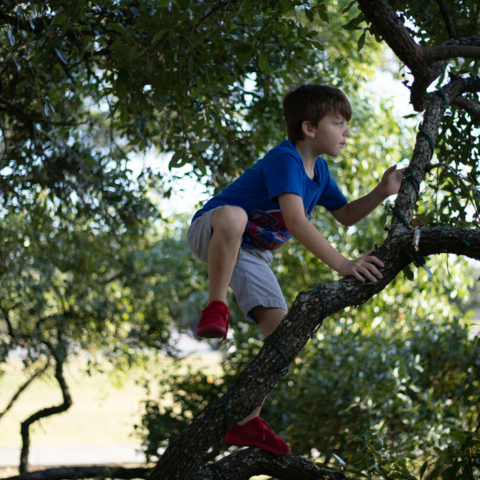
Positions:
(86, 84)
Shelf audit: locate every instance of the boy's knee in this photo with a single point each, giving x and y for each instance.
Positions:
(230, 219)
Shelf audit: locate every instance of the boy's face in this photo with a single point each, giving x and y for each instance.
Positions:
(330, 135)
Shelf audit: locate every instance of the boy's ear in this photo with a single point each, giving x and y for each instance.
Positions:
(307, 129)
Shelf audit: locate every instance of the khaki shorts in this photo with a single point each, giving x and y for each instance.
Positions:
(253, 281)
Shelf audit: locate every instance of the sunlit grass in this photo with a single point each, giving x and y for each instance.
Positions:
(102, 414)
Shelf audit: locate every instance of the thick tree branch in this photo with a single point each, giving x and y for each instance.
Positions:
(76, 473)
(426, 64)
(444, 52)
(45, 412)
(250, 462)
(422, 153)
(398, 38)
(23, 387)
(448, 19)
(473, 41)
(473, 108)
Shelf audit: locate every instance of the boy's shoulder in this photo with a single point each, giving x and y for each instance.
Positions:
(285, 150)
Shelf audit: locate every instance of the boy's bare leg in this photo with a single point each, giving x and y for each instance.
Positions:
(228, 225)
(268, 320)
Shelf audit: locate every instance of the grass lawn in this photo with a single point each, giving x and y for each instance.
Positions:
(101, 414)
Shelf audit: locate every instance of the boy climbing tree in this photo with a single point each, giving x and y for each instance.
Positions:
(236, 231)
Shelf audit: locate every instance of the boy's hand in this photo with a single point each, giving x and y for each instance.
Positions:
(363, 267)
(391, 181)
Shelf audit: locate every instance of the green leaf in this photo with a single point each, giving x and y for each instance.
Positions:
(318, 45)
(61, 56)
(423, 468)
(58, 19)
(349, 6)
(202, 146)
(19, 87)
(11, 37)
(407, 271)
(350, 26)
(262, 62)
(177, 157)
(322, 13)
(378, 442)
(309, 14)
(17, 64)
(368, 435)
(361, 41)
(159, 35)
(201, 165)
(117, 27)
(121, 90)
(459, 436)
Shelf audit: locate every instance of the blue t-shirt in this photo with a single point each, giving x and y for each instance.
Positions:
(258, 188)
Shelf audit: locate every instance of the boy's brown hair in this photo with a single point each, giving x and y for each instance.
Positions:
(311, 102)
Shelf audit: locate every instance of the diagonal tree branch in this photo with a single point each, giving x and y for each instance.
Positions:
(23, 387)
(422, 153)
(473, 108)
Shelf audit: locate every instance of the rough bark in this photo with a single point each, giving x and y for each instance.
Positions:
(422, 153)
(250, 462)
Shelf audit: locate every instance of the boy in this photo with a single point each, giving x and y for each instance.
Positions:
(235, 231)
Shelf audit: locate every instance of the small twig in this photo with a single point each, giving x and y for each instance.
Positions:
(448, 19)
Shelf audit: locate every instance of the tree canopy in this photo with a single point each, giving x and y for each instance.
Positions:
(83, 85)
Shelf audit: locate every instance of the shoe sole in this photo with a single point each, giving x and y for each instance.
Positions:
(230, 439)
(210, 332)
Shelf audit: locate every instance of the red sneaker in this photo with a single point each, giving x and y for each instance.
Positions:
(256, 433)
(214, 321)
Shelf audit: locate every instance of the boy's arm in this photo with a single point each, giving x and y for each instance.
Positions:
(353, 212)
(299, 226)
